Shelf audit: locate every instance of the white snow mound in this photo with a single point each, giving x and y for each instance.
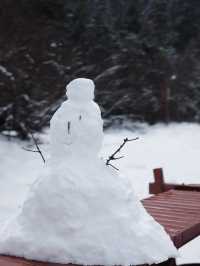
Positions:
(80, 210)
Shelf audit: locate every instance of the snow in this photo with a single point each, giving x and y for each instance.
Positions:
(175, 147)
(75, 124)
(84, 214)
(53, 44)
(7, 73)
(109, 71)
(173, 77)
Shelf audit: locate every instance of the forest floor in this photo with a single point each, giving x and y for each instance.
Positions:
(175, 147)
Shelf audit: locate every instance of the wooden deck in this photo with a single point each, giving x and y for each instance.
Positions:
(13, 261)
(178, 211)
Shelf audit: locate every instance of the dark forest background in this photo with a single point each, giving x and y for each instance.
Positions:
(144, 56)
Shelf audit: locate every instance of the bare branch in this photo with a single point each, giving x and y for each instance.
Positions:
(68, 127)
(118, 158)
(37, 147)
(113, 166)
(28, 149)
(113, 157)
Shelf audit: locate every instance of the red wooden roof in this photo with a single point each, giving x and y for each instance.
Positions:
(178, 211)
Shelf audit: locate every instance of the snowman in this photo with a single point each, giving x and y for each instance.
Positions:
(76, 128)
(80, 210)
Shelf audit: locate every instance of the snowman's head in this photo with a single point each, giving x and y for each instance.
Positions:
(80, 90)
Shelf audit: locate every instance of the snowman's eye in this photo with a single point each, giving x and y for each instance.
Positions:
(80, 117)
(68, 127)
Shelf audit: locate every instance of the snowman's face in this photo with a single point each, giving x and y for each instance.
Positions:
(80, 90)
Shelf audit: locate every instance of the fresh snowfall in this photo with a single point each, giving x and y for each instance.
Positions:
(79, 210)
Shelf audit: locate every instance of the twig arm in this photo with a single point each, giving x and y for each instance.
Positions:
(113, 157)
(36, 145)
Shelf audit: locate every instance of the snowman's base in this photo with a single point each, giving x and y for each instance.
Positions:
(16, 261)
(148, 203)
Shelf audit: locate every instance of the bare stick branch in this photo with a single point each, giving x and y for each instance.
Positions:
(37, 147)
(113, 157)
(35, 143)
(113, 166)
(118, 158)
(68, 127)
(28, 149)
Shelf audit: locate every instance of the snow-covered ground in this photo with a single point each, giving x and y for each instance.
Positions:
(175, 147)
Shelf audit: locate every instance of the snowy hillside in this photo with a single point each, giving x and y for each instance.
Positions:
(176, 148)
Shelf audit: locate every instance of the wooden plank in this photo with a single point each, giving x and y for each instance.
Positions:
(14, 261)
(167, 209)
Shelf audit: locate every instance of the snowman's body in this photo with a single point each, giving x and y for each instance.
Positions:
(80, 210)
(77, 134)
